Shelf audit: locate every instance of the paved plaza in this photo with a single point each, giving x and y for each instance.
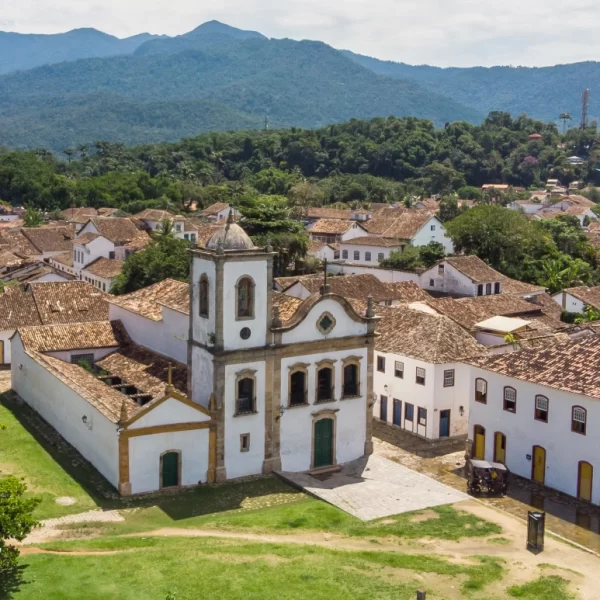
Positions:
(375, 487)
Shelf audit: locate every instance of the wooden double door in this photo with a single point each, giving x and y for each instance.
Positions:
(323, 443)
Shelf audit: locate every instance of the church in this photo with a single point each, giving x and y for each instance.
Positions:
(203, 382)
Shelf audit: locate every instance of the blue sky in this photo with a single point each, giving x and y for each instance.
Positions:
(438, 32)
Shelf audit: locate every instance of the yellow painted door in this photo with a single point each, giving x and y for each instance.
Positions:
(539, 464)
(585, 481)
(479, 452)
(500, 448)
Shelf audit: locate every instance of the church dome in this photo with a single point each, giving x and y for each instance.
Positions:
(231, 237)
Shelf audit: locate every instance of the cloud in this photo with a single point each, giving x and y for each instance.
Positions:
(439, 32)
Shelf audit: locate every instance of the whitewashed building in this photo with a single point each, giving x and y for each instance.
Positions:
(419, 381)
(537, 412)
(334, 231)
(577, 299)
(182, 227)
(218, 211)
(368, 250)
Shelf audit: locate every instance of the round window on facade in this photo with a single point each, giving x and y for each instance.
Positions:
(245, 333)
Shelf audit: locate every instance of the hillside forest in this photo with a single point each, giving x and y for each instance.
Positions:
(272, 176)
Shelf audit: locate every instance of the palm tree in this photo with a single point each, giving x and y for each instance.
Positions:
(166, 230)
(564, 117)
(69, 152)
(84, 150)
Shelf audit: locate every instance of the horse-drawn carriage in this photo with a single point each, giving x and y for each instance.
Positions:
(484, 476)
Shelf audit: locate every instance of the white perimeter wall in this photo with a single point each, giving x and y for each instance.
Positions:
(297, 423)
(385, 275)
(63, 408)
(564, 449)
(432, 396)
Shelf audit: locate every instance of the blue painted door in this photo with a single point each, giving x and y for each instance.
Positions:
(444, 423)
(383, 408)
(397, 411)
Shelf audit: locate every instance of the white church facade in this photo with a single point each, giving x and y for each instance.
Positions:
(265, 388)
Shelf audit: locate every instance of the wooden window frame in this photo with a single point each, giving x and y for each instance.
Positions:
(573, 421)
(453, 374)
(535, 408)
(419, 410)
(292, 370)
(396, 370)
(77, 358)
(412, 417)
(380, 360)
(346, 362)
(441, 269)
(367, 257)
(417, 376)
(497, 288)
(245, 374)
(203, 310)
(251, 298)
(482, 399)
(245, 437)
(480, 289)
(356, 255)
(321, 365)
(488, 289)
(345, 254)
(504, 400)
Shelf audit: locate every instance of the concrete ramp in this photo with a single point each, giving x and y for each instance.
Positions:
(374, 487)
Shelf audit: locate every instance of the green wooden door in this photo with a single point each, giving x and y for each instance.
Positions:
(323, 443)
(170, 469)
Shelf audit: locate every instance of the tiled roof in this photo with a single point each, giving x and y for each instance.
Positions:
(514, 286)
(66, 258)
(149, 301)
(288, 305)
(359, 287)
(374, 240)
(329, 213)
(47, 239)
(17, 309)
(572, 367)
(214, 209)
(423, 336)
(105, 267)
(469, 311)
(151, 214)
(429, 204)
(118, 230)
(55, 338)
(76, 214)
(85, 238)
(107, 212)
(589, 295)
(474, 268)
(331, 226)
(398, 223)
(16, 242)
(315, 245)
(407, 291)
(205, 231)
(8, 259)
(69, 302)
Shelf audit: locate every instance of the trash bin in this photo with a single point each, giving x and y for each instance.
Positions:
(536, 523)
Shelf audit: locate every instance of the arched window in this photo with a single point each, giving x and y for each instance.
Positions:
(481, 390)
(325, 381)
(579, 420)
(351, 377)
(297, 384)
(510, 399)
(368, 256)
(245, 395)
(203, 296)
(245, 298)
(356, 255)
(542, 404)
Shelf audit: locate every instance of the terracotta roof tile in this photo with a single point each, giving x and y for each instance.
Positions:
(66, 258)
(214, 209)
(331, 226)
(72, 214)
(589, 295)
(149, 301)
(16, 242)
(119, 230)
(514, 286)
(407, 291)
(151, 214)
(105, 267)
(49, 239)
(474, 268)
(423, 336)
(85, 238)
(9, 260)
(288, 305)
(17, 309)
(398, 223)
(329, 213)
(572, 367)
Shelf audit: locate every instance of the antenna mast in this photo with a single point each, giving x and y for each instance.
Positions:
(585, 102)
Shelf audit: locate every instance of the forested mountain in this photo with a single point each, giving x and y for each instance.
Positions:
(20, 51)
(162, 97)
(541, 92)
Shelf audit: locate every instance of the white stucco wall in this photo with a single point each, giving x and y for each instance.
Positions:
(433, 231)
(63, 408)
(297, 422)
(100, 247)
(98, 353)
(568, 302)
(353, 232)
(144, 458)
(385, 275)
(564, 448)
(237, 463)
(362, 250)
(5, 338)
(102, 283)
(167, 337)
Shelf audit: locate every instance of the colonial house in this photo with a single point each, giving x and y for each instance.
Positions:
(537, 411)
(218, 211)
(345, 214)
(265, 387)
(577, 299)
(102, 272)
(46, 304)
(37, 243)
(419, 381)
(368, 250)
(323, 250)
(334, 231)
(183, 228)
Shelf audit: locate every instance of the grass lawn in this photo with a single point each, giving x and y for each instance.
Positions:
(46, 475)
(150, 568)
(552, 587)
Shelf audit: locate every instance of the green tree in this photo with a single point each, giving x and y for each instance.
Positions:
(449, 209)
(431, 253)
(166, 258)
(16, 521)
(33, 217)
(407, 259)
(166, 231)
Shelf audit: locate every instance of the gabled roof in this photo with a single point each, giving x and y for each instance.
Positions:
(572, 367)
(151, 214)
(407, 292)
(398, 223)
(374, 240)
(514, 286)
(17, 309)
(423, 336)
(16, 242)
(8, 260)
(76, 214)
(473, 268)
(588, 295)
(331, 226)
(344, 214)
(214, 209)
(46, 239)
(288, 305)
(85, 238)
(106, 268)
(75, 336)
(66, 258)
(119, 230)
(148, 301)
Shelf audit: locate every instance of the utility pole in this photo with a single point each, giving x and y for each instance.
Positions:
(585, 103)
